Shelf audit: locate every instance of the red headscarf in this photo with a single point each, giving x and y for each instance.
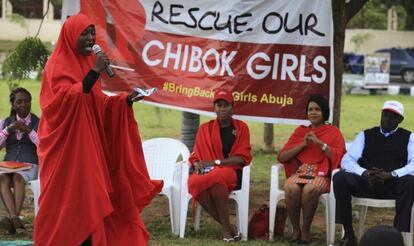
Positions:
(66, 66)
(93, 176)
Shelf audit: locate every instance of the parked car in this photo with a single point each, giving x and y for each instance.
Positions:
(353, 63)
(402, 62)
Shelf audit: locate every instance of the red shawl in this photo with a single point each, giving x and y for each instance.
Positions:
(208, 144)
(93, 175)
(313, 153)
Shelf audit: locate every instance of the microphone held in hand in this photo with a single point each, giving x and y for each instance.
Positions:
(96, 49)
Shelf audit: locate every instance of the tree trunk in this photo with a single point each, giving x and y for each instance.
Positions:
(409, 19)
(342, 12)
(189, 127)
(268, 137)
(339, 21)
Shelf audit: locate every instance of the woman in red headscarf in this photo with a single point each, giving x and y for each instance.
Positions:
(93, 177)
(222, 148)
(309, 156)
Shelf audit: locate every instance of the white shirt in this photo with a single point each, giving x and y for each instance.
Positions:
(350, 160)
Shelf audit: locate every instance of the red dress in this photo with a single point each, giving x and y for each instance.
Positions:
(93, 176)
(208, 146)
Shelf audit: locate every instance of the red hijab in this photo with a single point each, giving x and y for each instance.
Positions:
(66, 66)
(93, 177)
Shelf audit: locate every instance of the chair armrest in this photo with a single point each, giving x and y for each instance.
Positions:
(246, 176)
(185, 173)
(274, 176)
(333, 173)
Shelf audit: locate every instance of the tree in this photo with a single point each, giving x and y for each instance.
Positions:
(268, 137)
(30, 55)
(342, 12)
(189, 126)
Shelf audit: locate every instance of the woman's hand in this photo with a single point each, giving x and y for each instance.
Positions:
(311, 137)
(200, 165)
(19, 125)
(101, 62)
(307, 139)
(133, 97)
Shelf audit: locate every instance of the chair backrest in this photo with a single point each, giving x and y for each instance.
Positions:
(161, 156)
(246, 177)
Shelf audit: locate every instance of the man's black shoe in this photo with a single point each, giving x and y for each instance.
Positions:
(346, 242)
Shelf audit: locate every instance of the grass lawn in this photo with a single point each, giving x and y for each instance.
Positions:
(358, 112)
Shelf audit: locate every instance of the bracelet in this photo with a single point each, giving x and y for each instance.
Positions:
(324, 146)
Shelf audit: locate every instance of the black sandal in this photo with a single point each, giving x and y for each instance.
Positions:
(7, 225)
(18, 225)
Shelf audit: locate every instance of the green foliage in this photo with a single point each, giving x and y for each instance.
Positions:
(57, 3)
(30, 55)
(360, 39)
(374, 15)
(19, 19)
(402, 15)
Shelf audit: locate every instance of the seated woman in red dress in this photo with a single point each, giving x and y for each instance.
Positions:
(309, 156)
(221, 150)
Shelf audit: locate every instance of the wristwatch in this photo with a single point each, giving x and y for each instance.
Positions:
(217, 162)
(394, 174)
(324, 146)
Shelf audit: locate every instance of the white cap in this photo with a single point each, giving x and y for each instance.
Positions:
(394, 106)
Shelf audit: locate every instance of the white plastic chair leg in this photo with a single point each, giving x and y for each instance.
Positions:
(171, 204)
(183, 215)
(362, 216)
(242, 213)
(35, 187)
(332, 211)
(197, 217)
(328, 227)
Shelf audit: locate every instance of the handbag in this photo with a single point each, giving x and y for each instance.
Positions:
(307, 171)
(280, 221)
(259, 223)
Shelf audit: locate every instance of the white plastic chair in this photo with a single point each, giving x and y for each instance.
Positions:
(240, 196)
(161, 157)
(364, 203)
(277, 194)
(34, 185)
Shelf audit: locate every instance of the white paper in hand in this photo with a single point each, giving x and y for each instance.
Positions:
(144, 92)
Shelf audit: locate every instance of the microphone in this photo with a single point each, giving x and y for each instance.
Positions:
(96, 49)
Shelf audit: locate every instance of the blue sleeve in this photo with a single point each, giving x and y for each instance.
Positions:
(409, 168)
(350, 160)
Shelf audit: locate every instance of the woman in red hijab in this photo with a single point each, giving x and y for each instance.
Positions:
(93, 177)
(222, 148)
(309, 156)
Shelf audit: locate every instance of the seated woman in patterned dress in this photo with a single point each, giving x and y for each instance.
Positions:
(309, 156)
